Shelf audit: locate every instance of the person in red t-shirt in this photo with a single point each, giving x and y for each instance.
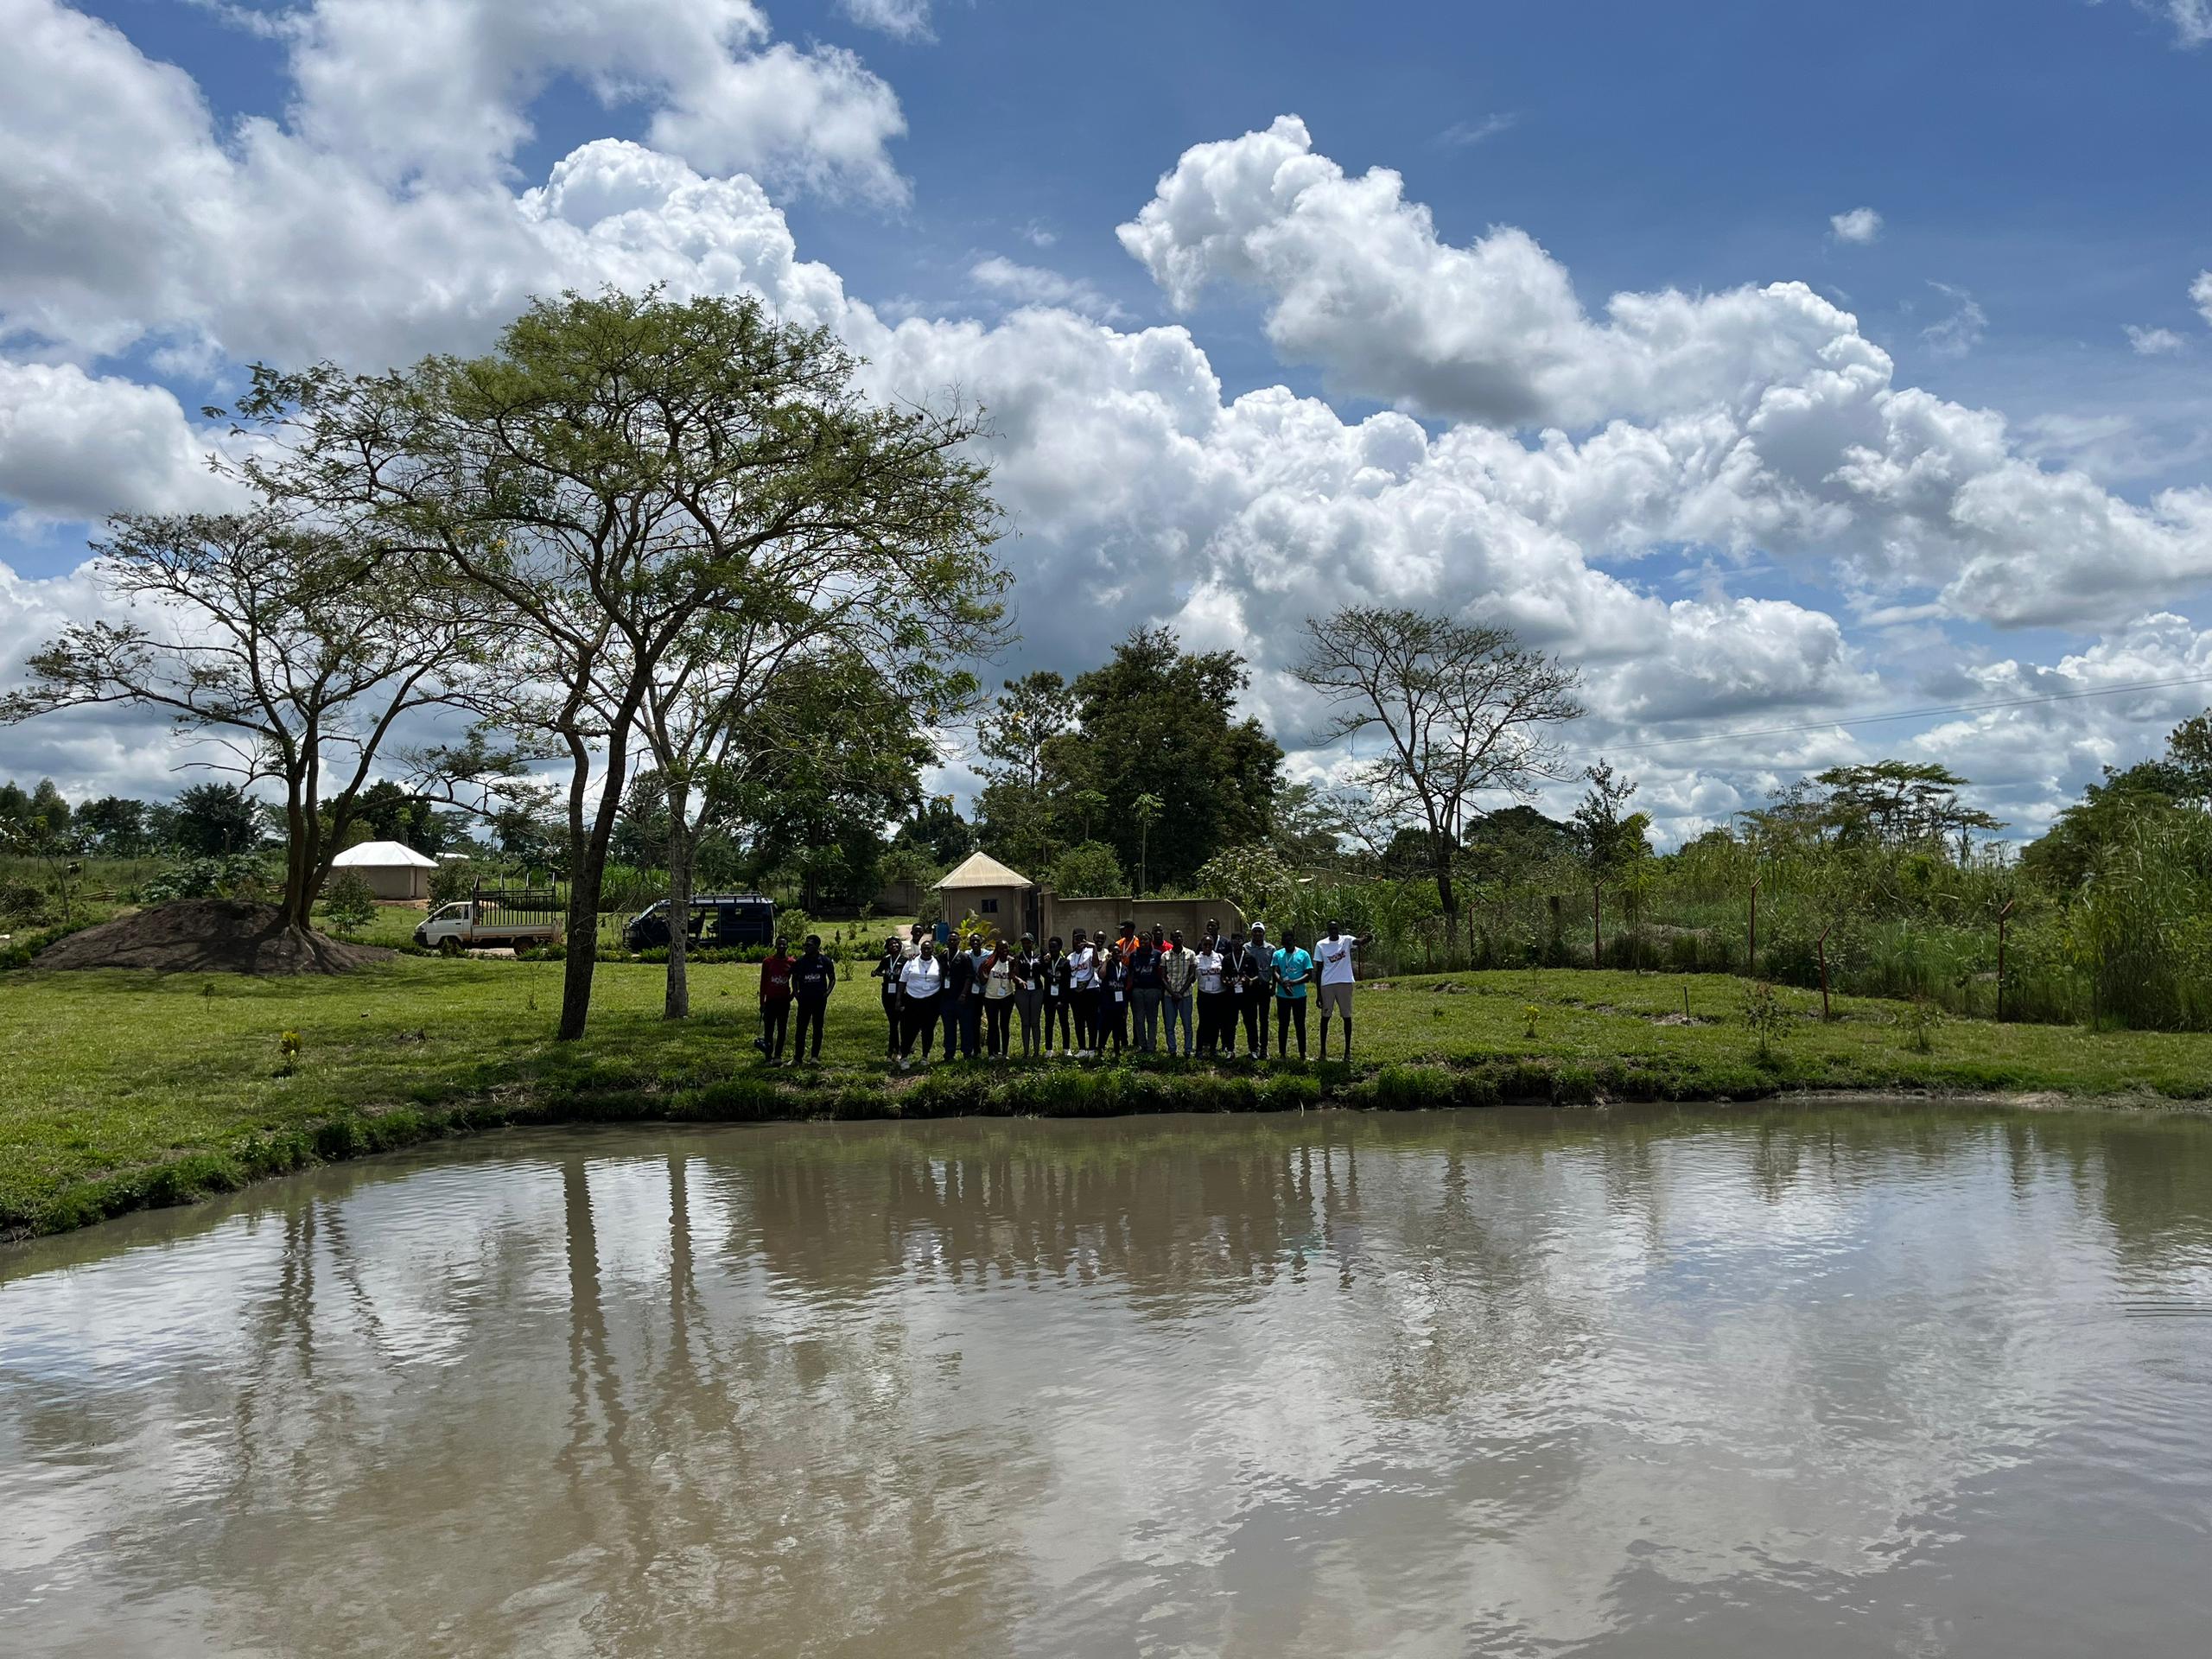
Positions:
(775, 1002)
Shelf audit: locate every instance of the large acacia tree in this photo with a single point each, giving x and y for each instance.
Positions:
(289, 648)
(623, 473)
(1463, 710)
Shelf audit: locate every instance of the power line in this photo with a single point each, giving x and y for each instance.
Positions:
(1906, 714)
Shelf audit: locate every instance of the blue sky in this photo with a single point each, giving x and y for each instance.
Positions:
(2036, 167)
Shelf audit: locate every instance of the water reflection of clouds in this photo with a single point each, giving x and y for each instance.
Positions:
(1024, 1387)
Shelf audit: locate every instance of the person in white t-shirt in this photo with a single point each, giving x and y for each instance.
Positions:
(1333, 956)
(1083, 993)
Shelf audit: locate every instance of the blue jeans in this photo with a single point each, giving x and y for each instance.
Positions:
(1176, 1010)
(1144, 1001)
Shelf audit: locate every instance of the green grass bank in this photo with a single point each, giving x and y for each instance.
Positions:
(120, 1091)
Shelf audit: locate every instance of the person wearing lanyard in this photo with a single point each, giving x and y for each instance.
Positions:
(921, 981)
(1334, 954)
(1083, 994)
(1178, 970)
(1053, 978)
(887, 970)
(1028, 993)
(813, 977)
(971, 1005)
(1143, 959)
(1209, 965)
(1254, 967)
(1291, 968)
(1113, 1001)
(998, 1001)
(775, 1002)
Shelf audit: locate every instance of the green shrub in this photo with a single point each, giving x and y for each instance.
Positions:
(349, 903)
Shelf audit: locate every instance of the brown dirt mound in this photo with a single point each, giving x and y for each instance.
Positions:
(208, 936)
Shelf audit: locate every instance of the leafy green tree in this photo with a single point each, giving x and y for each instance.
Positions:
(219, 821)
(1462, 710)
(1609, 839)
(1310, 826)
(1161, 721)
(115, 825)
(290, 642)
(1016, 812)
(1899, 804)
(48, 811)
(1089, 869)
(1253, 878)
(348, 903)
(937, 830)
(622, 480)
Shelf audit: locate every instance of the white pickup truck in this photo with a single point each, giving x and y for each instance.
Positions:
(479, 924)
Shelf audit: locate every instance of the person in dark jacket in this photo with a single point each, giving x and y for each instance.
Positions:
(1254, 971)
(1053, 979)
(1112, 1019)
(813, 977)
(1028, 994)
(887, 970)
(952, 1002)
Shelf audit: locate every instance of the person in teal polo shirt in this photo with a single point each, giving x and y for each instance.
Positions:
(1292, 968)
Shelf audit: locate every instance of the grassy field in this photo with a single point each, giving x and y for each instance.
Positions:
(121, 1090)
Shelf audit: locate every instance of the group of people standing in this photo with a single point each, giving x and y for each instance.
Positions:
(1120, 993)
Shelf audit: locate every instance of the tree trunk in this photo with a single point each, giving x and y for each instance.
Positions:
(682, 846)
(301, 833)
(1449, 902)
(1597, 931)
(587, 875)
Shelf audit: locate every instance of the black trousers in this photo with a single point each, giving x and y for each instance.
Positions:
(891, 1019)
(920, 1020)
(1083, 999)
(1290, 1011)
(810, 1010)
(1112, 1020)
(775, 1016)
(1255, 1004)
(998, 1017)
(1216, 1030)
(1056, 1019)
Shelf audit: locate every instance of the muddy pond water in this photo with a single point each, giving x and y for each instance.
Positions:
(1884, 1379)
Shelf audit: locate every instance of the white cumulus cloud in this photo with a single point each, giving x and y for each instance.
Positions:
(1858, 226)
(2152, 342)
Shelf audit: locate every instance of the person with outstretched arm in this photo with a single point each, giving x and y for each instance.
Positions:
(921, 987)
(1291, 969)
(814, 976)
(775, 1002)
(1334, 957)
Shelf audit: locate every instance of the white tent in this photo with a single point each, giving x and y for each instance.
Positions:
(392, 870)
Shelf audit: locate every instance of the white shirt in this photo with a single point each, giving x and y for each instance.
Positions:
(922, 976)
(1082, 967)
(1210, 966)
(1335, 957)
